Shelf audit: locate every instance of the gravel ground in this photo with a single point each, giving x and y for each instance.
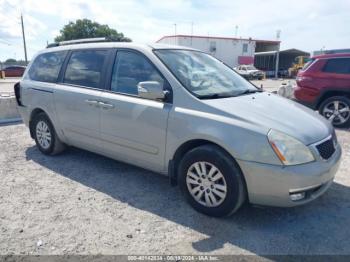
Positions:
(82, 203)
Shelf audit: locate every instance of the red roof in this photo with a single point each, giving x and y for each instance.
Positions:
(332, 55)
(219, 37)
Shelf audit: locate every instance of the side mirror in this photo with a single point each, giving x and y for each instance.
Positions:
(151, 90)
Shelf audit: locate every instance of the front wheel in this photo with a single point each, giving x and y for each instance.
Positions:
(212, 181)
(337, 110)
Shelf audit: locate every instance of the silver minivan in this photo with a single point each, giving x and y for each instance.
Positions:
(182, 113)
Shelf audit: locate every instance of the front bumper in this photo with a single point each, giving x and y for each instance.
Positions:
(271, 185)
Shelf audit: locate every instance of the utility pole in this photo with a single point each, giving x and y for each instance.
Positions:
(191, 32)
(278, 34)
(175, 34)
(236, 31)
(24, 41)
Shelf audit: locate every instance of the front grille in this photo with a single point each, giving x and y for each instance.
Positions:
(326, 149)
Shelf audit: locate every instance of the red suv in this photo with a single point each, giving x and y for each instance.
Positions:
(14, 71)
(324, 85)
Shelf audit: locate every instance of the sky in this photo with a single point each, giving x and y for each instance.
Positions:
(307, 25)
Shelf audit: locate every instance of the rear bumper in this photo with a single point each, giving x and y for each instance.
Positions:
(305, 96)
(23, 111)
(272, 185)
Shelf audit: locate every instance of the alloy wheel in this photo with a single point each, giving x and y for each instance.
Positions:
(337, 112)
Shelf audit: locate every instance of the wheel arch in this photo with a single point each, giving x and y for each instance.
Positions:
(332, 92)
(35, 112)
(186, 147)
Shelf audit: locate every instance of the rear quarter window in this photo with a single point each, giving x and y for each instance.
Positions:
(46, 67)
(337, 66)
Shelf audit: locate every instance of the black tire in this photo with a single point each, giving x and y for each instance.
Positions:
(235, 184)
(55, 146)
(343, 101)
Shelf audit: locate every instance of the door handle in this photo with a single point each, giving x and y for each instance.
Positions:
(105, 105)
(91, 102)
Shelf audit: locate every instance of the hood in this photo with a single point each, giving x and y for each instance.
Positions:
(271, 111)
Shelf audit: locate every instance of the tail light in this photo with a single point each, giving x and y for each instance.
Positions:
(17, 89)
(303, 78)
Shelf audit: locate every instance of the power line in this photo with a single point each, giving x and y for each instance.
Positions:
(10, 5)
(13, 8)
(12, 18)
(5, 42)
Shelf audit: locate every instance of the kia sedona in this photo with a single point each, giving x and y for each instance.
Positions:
(182, 113)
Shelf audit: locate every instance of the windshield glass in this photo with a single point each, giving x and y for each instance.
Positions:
(251, 68)
(203, 75)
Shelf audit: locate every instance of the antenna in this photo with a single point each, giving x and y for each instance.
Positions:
(278, 35)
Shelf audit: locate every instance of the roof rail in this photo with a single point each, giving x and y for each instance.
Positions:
(81, 41)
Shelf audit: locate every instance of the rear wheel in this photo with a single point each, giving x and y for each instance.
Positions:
(337, 110)
(45, 135)
(211, 181)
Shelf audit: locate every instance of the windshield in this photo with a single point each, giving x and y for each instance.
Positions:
(203, 75)
(251, 68)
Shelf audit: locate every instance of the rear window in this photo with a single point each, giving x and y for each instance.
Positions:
(337, 66)
(308, 63)
(85, 68)
(46, 67)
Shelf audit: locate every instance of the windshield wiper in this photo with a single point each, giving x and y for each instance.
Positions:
(214, 96)
(249, 91)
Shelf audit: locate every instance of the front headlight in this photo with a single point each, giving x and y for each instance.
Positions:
(288, 149)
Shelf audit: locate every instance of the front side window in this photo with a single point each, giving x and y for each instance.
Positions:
(129, 69)
(203, 75)
(85, 68)
(337, 66)
(46, 67)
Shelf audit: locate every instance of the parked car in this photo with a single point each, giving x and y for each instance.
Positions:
(14, 71)
(249, 72)
(181, 113)
(324, 85)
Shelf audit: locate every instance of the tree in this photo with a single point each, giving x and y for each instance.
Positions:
(10, 60)
(85, 28)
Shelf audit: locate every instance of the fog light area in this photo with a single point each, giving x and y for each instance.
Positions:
(297, 196)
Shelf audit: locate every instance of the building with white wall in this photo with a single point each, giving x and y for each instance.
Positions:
(232, 51)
